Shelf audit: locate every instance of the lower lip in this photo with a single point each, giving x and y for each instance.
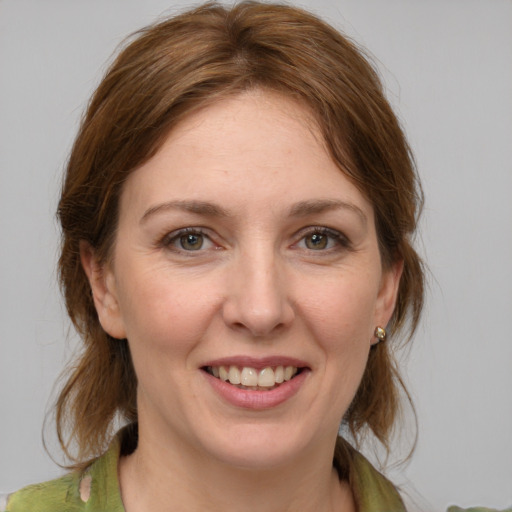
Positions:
(249, 399)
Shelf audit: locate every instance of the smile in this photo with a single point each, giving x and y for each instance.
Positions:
(250, 378)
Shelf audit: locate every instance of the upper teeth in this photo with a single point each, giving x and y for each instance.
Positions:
(247, 376)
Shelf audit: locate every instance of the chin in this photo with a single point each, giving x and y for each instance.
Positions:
(258, 447)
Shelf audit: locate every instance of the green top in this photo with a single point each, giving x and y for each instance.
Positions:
(476, 509)
(63, 494)
(372, 491)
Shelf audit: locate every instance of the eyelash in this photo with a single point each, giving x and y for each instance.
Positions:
(339, 239)
(170, 239)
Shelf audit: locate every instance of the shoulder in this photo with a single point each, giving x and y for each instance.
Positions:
(61, 494)
(94, 489)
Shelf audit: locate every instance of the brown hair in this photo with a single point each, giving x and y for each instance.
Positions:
(167, 71)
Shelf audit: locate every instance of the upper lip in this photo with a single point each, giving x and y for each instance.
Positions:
(258, 363)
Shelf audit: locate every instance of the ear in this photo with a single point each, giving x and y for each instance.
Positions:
(102, 282)
(388, 293)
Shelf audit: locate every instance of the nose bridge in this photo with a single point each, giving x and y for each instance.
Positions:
(258, 297)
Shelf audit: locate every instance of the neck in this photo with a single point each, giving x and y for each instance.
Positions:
(158, 476)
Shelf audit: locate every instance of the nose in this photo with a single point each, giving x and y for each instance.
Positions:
(257, 297)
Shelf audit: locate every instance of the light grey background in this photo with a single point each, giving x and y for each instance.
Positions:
(447, 65)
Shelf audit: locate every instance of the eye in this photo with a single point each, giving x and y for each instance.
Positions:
(321, 239)
(189, 240)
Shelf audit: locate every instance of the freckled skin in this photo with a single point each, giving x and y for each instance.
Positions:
(254, 288)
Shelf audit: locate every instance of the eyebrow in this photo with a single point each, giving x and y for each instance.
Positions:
(304, 208)
(199, 207)
(300, 209)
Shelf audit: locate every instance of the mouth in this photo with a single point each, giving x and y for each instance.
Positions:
(249, 378)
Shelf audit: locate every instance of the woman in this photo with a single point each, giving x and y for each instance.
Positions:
(236, 215)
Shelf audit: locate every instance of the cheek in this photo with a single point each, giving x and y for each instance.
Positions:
(340, 320)
(341, 313)
(163, 313)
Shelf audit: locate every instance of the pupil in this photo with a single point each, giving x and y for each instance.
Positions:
(192, 242)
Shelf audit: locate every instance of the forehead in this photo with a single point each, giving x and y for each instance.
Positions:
(257, 146)
(256, 121)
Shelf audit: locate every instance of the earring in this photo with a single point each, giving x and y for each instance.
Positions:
(380, 333)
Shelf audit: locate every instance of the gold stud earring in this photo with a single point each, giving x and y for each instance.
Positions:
(380, 333)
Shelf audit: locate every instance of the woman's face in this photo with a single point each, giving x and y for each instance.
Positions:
(244, 253)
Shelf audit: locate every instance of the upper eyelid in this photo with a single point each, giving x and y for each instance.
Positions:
(321, 228)
(340, 238)
(173, 235)
(186, 230)
(336, 233)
